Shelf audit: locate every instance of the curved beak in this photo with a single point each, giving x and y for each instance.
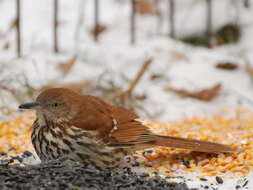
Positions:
(30, 105)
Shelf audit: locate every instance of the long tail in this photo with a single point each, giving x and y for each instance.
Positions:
(195, 145)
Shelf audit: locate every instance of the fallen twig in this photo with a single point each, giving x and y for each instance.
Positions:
(133, 83)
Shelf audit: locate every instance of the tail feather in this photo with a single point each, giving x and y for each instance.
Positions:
(195, 145)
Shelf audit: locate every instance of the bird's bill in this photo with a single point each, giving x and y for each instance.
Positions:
(30, 105)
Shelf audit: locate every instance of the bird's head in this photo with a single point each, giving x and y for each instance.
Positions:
(54, 104)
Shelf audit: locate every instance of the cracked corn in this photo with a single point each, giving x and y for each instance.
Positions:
(236, 131)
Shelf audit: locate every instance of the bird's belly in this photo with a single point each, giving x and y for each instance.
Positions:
(75, 144)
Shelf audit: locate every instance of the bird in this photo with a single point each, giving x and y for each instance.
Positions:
(86, 129)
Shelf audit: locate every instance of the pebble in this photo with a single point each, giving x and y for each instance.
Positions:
(66, 174)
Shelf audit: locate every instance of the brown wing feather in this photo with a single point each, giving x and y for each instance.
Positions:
(123, 115)
(132, 132)
(93, 114)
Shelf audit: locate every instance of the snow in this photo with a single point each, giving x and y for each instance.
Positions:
(183, 66)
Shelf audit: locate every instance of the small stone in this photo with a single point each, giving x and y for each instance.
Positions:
(203, 179)
(219, 180)
(238, 187)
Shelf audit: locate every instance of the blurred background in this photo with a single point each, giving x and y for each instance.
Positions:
(165, 59)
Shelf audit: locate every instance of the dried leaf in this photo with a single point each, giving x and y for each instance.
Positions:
(7, 45)
(141, 97)
(13, 24)
(146, 6)
(66, 67)
(227, 66)
(96, 31)
(178, 56)
(156, 76)
(204, 95)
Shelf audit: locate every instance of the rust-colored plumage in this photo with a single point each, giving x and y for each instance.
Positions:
(87, 129)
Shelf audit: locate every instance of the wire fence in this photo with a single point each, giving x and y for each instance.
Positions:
(132, 21)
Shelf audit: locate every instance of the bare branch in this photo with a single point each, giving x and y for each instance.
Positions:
(172, 18)
(55, 27)
(132, 21)
(18, 9)
(96, 19)
(209, 26)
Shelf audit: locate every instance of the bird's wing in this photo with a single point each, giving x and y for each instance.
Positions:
(114, 124)
(118, 126)
(128, 130)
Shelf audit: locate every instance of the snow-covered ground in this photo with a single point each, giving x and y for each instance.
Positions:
(181, 65)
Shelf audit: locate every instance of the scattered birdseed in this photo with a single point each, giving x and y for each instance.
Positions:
(203, 179)
(219, 180)
(66, 174)
(246, 183)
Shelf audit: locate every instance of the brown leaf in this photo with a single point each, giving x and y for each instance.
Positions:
(13, 24)
(156, 76)
(96, 31)
(146, 6)
(66, 67)
(204, 95)
(178, 56)
(6, 45)
(227, 66)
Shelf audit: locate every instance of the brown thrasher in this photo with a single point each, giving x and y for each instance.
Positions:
(87, 129)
